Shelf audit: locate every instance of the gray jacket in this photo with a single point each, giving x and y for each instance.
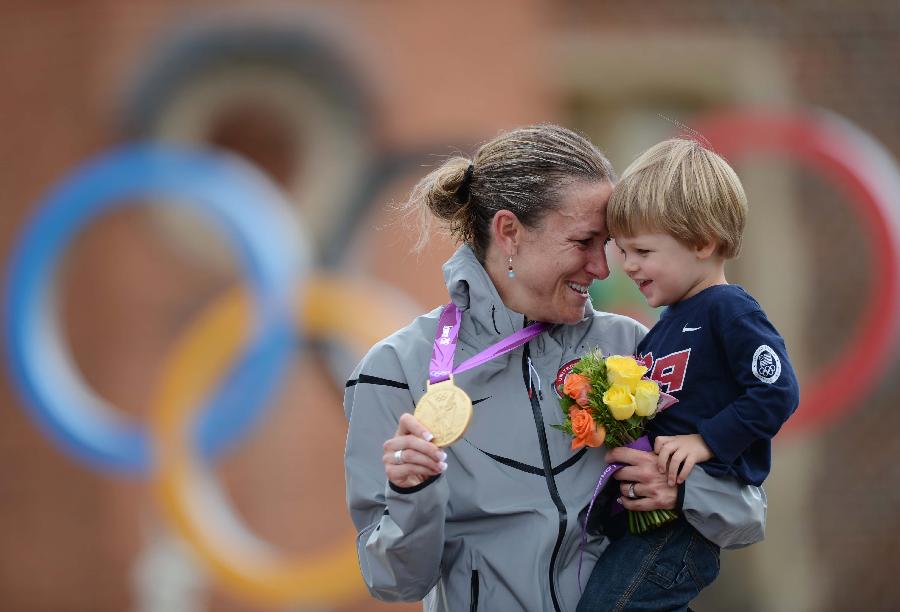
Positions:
(501, 525)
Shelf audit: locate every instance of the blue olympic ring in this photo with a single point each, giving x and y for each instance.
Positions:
(256, 220)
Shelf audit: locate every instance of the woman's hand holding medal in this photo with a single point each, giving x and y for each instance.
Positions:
(410, 458)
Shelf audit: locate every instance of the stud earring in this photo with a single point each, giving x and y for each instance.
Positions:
(510, 272)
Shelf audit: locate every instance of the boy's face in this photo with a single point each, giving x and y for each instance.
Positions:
(665, 270)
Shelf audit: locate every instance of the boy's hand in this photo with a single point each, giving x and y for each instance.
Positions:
(679, 454)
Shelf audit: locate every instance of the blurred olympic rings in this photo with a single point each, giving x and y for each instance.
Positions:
(185, 485)
(268, 242)
(869, 176)
(259, 323)
(208, 398)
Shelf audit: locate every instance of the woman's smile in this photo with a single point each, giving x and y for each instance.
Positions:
(581, 290)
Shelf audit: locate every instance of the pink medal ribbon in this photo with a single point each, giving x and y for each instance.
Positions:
(445, 340)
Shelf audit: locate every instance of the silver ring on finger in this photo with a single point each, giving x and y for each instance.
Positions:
(631, 493)
(398, 457)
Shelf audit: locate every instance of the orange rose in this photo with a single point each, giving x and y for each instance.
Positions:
(577, 387)
(586, 431)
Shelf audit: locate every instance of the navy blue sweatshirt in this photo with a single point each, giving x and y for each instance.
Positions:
(726, 363)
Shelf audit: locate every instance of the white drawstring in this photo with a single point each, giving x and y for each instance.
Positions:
(533, 369)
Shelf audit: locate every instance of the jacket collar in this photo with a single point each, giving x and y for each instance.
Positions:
(472, 290)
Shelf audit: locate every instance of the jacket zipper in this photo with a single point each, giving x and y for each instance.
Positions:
(548, 472)
(474, 591)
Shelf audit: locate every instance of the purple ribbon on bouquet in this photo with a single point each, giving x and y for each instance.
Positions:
(641, 444)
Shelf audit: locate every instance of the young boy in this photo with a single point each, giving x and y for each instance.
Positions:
(677, 215)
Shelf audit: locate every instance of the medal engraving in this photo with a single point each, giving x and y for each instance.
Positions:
(445, 410)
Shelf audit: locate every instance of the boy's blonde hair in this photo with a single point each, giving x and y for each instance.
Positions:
(685, 190)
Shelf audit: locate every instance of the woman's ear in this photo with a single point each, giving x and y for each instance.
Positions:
(507, 231)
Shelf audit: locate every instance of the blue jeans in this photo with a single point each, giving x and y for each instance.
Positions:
(663, 569)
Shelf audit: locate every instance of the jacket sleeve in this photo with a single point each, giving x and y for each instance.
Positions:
(727, 512)
(400, 532)
(758, 362)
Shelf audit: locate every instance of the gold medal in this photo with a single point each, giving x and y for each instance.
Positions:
(445, 410)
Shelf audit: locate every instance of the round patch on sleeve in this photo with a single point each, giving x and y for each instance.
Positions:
(766, 364)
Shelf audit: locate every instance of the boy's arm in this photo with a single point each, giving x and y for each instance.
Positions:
(758, 362)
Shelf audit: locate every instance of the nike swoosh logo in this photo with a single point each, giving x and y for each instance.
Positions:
(688, 329)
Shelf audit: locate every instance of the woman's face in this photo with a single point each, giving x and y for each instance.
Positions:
(556, 262)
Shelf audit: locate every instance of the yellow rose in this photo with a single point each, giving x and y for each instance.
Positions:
(646, 396)
(624, 371)
(620, 402)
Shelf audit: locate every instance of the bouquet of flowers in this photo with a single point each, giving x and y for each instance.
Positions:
(608, 400)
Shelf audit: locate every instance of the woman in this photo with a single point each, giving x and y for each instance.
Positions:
(494, 518)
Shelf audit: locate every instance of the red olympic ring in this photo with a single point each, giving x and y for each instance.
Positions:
(868, 175)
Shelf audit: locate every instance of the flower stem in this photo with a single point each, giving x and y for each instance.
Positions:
(641, 522)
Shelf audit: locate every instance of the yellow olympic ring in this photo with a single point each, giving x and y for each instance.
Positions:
(235, 557)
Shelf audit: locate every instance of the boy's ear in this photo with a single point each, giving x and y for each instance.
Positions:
(707, 250)
(507, 231)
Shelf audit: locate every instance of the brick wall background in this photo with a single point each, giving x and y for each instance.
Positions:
(436, 77)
